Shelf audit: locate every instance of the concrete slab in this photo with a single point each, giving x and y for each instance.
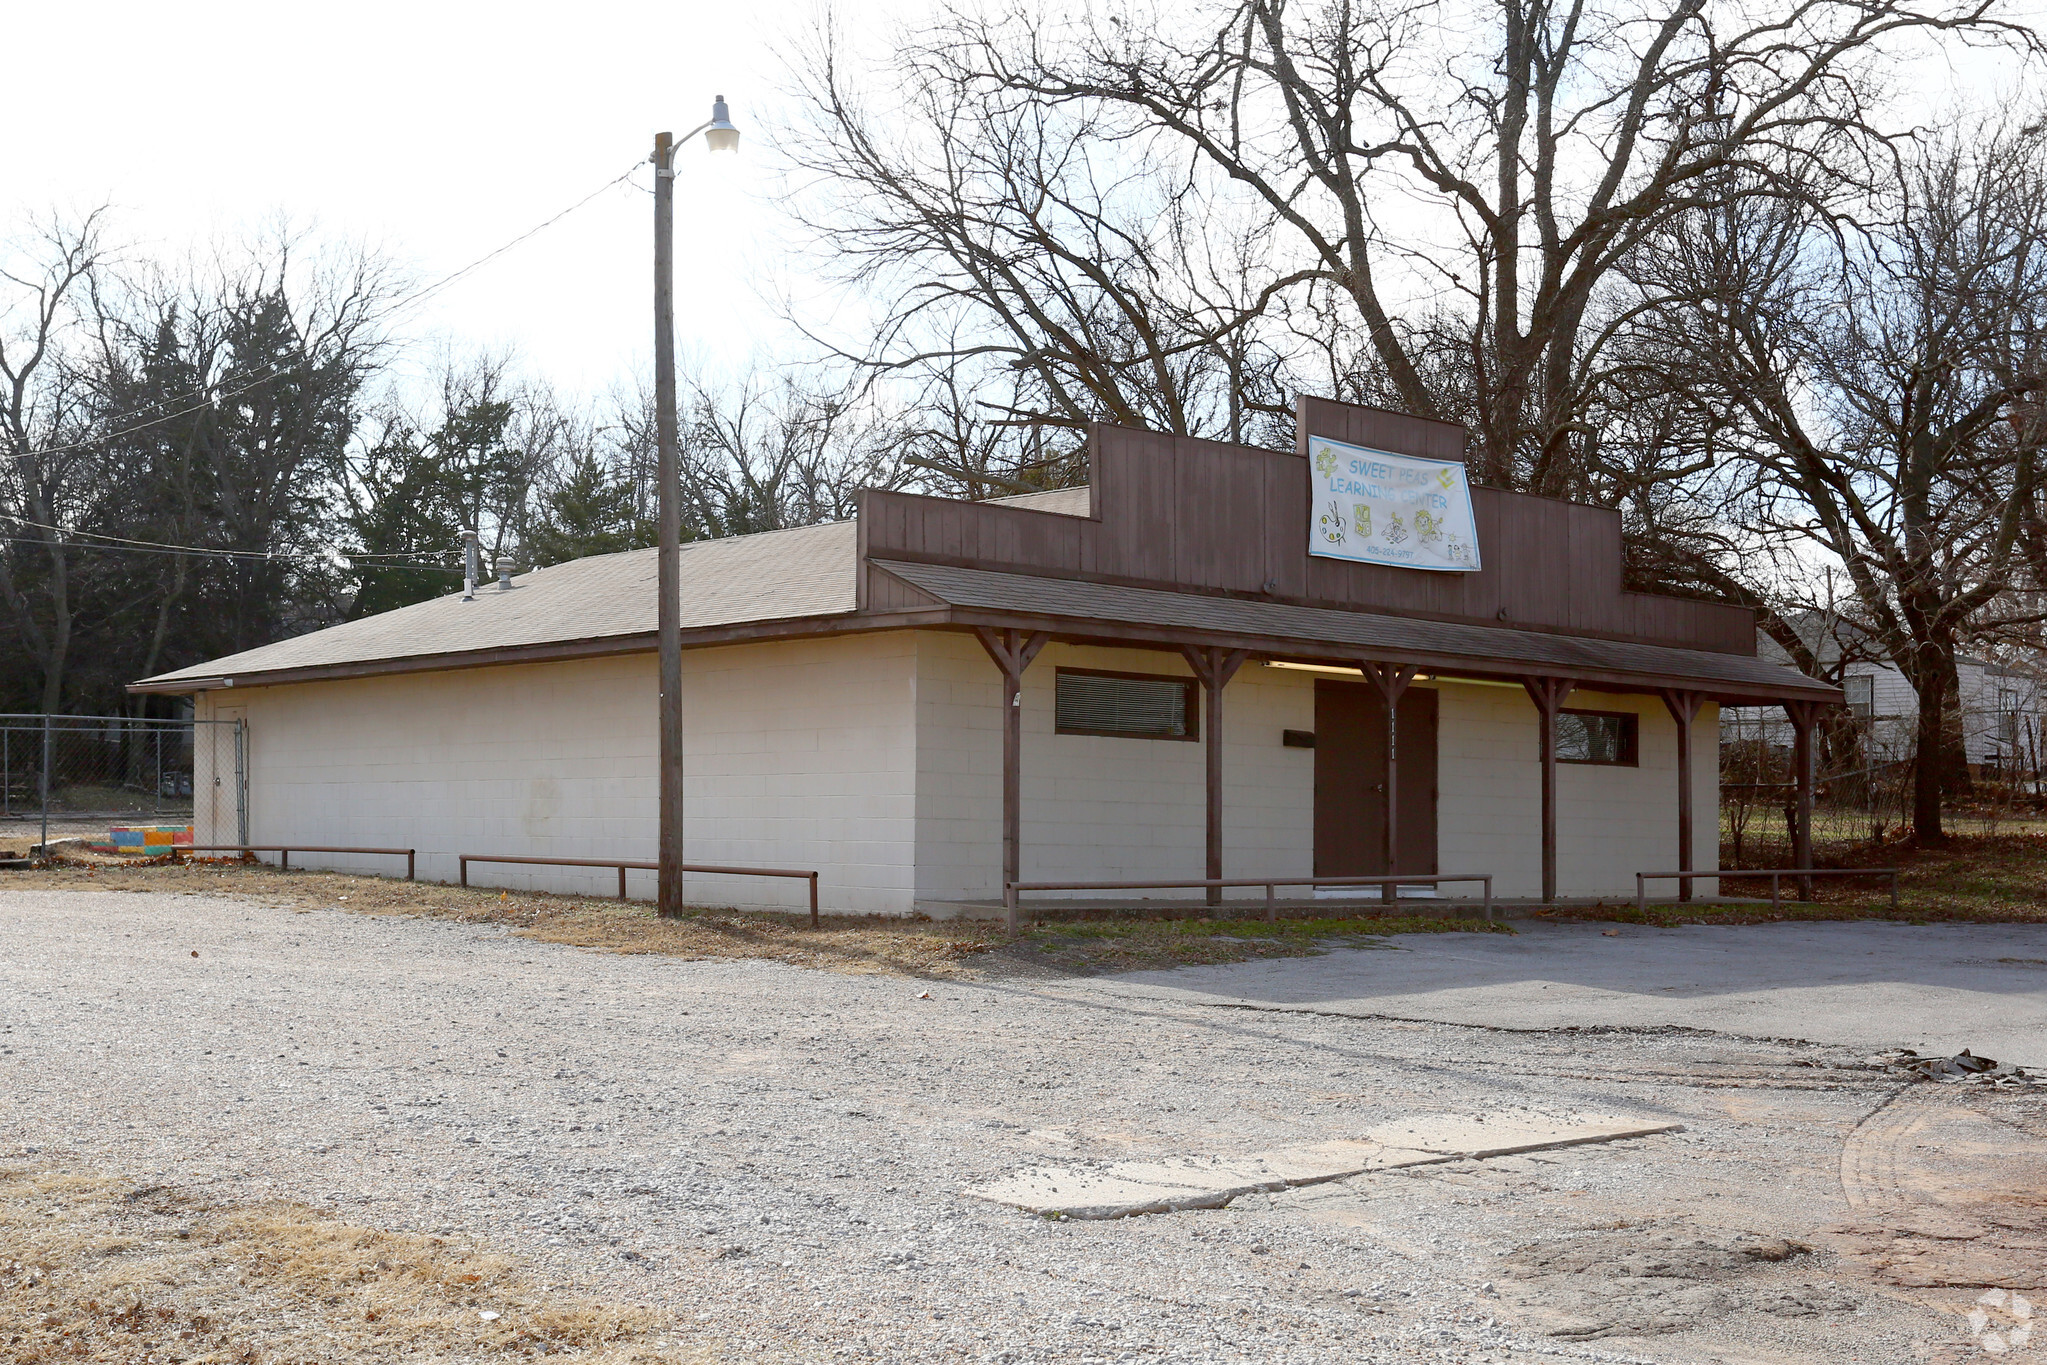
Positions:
(1503, 1134)
(1067, 1192)
(1129, 1188)
(1935, 988)
(1315, 1162)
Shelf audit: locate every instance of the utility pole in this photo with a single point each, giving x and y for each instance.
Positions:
(669, 901)
(719, 136)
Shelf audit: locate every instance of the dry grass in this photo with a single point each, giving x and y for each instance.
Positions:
(844, 943)
(95, 1269)
(1128, 944)
(1980, 879)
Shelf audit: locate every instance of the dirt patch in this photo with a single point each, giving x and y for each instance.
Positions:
(844, 943)
(1650, 1279)
(1949, 1191)
(96, 1269)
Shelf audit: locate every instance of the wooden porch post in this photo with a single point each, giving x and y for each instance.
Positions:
(1392, 681)
(1803, 715)
(1012, 652)
(1214, 667)
(1684, 709)
(1548, 695)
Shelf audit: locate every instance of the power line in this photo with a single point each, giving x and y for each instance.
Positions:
(139, 544)
(402, 302)
(224, 554)
(166, 547)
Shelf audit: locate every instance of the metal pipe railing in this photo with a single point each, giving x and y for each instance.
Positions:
(1269, 883)
(284, 854)
(1775, 874)
(464, 859)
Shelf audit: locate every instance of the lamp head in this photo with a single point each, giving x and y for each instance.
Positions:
(721, 136)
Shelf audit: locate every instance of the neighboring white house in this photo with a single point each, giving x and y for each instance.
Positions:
(2002, 707)
(845, 697)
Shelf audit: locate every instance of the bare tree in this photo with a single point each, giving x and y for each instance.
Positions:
(769, 452)
(44, 413)
(1033, 269)
(1463, 176)
(1866, 378)
(204, 402)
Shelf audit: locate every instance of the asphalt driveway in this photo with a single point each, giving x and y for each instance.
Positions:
(1935, 988)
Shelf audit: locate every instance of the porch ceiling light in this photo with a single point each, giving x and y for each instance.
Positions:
(1333, 670)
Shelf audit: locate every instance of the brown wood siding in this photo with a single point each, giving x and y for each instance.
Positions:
(886, 592)
(1193, 515)
(1379, 428)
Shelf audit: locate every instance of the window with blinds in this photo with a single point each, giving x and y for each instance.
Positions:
(1129, 705)
(1607, 737)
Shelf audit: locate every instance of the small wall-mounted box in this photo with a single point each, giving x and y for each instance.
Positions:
(1297, 739)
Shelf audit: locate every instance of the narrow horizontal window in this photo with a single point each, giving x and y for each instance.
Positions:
(1130, 705)
(1606, 737)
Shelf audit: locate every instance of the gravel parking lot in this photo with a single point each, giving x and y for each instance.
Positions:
(771, 1159)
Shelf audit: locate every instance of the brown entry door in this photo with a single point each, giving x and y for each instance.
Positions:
(1350, 776)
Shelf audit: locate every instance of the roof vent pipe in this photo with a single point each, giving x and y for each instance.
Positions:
(472, 564)
(504, 568)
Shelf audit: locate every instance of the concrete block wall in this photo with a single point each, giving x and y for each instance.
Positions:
(1612, 822)
(800, 754)
(1115, 809)
(1098, 808)
(877, 759)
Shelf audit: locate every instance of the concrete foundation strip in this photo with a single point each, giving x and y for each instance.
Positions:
(1133, 1187)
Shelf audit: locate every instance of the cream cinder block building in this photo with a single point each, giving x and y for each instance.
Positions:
(1164, 676)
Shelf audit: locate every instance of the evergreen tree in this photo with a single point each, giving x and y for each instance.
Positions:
(413, 497)
(593, 509)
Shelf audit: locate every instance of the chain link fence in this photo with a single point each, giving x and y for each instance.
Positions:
(80, 777)
(1863, 784)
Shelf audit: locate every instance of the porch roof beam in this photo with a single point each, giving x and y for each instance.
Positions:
(1334, 654)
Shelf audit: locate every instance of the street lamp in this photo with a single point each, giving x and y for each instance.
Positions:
(719, 136)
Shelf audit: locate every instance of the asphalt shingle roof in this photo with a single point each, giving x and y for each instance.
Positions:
(774, 575)
(811, 572)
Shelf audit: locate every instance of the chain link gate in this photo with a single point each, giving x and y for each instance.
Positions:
(69, 777)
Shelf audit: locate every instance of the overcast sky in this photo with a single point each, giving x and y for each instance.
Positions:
(438, 132)
(435, 131)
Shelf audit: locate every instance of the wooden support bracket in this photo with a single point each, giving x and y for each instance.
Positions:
(1012, 650)
(1548, 695)
(1213, 668)
(1684, 709)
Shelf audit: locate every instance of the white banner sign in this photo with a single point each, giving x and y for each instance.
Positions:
(1389, 509)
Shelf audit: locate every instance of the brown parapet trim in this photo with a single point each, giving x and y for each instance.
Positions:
(1318, 603)
(998, 504)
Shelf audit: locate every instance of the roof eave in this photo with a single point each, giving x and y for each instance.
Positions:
(643, 642)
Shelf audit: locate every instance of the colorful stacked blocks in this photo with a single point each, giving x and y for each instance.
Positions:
(143, 839)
